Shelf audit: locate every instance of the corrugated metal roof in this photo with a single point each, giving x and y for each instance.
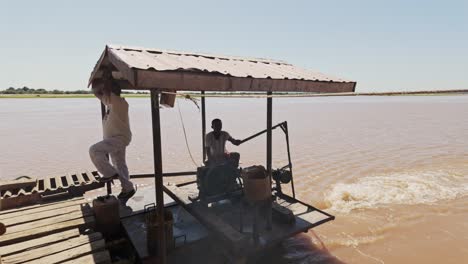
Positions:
(127, 59)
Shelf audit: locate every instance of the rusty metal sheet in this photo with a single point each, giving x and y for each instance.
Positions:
(131, 61)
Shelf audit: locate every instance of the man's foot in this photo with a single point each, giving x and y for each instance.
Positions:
(126, 195)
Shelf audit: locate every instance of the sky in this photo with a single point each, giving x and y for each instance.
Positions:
(383, 45)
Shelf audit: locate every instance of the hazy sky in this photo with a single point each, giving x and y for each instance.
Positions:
(383, 45)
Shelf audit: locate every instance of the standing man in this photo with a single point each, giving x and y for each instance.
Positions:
(215, 144)
(117, 136)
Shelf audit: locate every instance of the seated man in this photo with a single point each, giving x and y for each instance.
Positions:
(215, 144)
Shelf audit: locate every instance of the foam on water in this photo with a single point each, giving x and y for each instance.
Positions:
(406, 188)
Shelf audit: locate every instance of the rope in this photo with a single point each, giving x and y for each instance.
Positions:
(185, 136)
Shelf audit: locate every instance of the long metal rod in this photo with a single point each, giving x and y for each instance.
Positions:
(166, 174)
(286, 132)
(158, 174)
(261, 132)
(108, 184)
(203, 116)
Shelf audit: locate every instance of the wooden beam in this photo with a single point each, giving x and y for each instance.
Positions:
(203, 116)
(269, 149)
(158, 174)
(195, 81)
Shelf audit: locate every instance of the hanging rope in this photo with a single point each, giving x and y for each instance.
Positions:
(185, 136)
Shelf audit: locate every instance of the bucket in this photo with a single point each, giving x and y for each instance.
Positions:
(257, 184)
(152, 227)
(106, 211)
(168, 100)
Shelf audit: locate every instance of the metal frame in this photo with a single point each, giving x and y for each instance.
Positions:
(284, 127)
(157, 158)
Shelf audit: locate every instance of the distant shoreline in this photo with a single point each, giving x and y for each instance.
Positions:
(240, 95)
(39, 96)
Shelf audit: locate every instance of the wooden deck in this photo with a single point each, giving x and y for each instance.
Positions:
(52, 233)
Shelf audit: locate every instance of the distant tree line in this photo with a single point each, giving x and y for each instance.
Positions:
(27, 90)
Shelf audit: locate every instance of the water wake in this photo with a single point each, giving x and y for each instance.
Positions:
(409, 188)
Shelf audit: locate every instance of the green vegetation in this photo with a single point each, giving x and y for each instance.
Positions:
(65, 95)
(26, 92)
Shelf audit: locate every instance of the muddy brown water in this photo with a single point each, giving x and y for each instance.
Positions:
(393, 170)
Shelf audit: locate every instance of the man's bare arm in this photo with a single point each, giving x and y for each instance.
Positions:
(208, 153)
(236, 142)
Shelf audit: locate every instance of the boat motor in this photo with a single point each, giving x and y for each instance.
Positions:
(282, 175)
(215, 183)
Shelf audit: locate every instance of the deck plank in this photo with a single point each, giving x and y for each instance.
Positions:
(24, 235)
(22, 246)
(48, 221)
(51, 249)
(101, 257)
(40, 208)
(30, 217)
(71, 254)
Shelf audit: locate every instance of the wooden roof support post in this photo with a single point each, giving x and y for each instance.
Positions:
(203, 116)
(269, 146)
(158, 174)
